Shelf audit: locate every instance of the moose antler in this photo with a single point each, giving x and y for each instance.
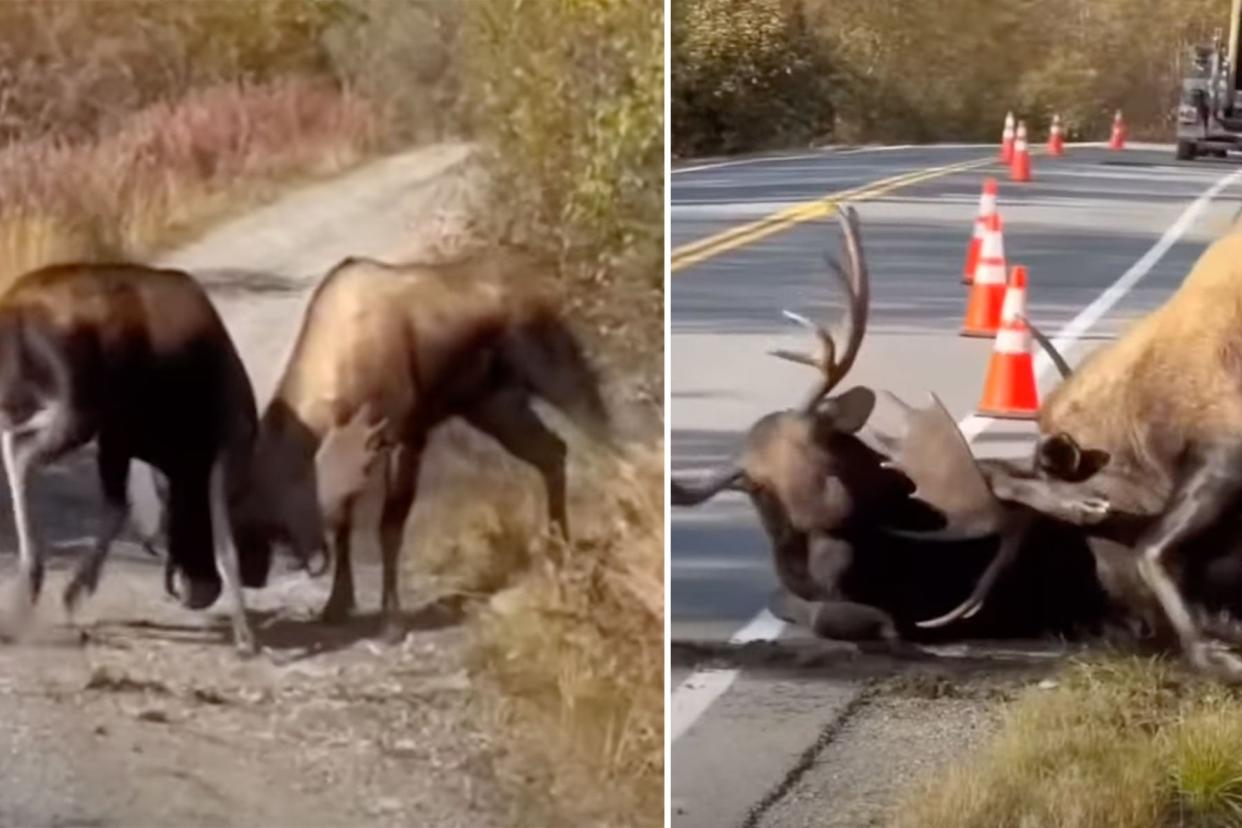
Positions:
(1058, 361)
(345, 458)
(936, 458)
(858, 287)
(980, 497)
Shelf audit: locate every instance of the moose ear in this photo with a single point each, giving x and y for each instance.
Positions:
(1058, 456)
(850, 411)
(1092, 461)
(1061, 457)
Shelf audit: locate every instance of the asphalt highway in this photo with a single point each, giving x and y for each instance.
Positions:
(1106, 236)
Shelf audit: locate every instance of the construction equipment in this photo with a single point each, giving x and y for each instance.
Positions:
(1209, 113)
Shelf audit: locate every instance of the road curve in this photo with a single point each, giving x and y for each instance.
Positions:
(1106, 237)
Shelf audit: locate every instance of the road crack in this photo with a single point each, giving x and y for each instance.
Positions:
(808, 757)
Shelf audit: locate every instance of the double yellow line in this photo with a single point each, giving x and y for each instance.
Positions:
(703, 249)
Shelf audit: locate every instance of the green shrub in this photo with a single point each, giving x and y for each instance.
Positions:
(402, 55)
(745, 75)
(568, 96)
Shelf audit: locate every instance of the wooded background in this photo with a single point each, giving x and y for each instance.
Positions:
(750, 74)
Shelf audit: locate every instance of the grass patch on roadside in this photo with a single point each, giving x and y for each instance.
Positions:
(567, 637)
(171, 168)
(1118, 743)
(576, 646)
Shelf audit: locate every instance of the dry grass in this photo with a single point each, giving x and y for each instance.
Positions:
(571, 638)
(1121, 743)
(171, 167)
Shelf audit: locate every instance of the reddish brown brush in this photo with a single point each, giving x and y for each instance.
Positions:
(169, 165)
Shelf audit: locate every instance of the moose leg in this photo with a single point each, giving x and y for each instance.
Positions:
(508, 417)
(113, 462)
(226, 556)
(341, 600)
(838, 620)
(1013, 532)
(1210, 486)
(30, 558)
(829, 559)
(813, 598)
(1075, 503)
(46, 435)
(403, 484)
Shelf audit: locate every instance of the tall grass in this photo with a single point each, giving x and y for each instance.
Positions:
(169, 168)
(576, 646)
(1118, 744)
(568, 637)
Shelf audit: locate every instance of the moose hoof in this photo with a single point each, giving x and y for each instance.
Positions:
(71, 596)
(84, 582)
(1215, 657)
(392, 631)
(336, 613)
(244, 645)
(32, 577)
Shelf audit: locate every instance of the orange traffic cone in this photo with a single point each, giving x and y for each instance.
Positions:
(987, 291)
(1021, 168)
(987, 206)
(1117, 141)
(1006, 154)
(1009, 392)
(1056, 142)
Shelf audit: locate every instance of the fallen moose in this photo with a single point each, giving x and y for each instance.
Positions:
(857, 555)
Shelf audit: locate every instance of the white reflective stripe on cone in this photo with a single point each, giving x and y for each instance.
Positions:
(1013, 341)
(990, 272)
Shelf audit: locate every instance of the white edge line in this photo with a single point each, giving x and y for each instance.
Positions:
(701, 689)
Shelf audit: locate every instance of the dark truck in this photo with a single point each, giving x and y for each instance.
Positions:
(1209, 113)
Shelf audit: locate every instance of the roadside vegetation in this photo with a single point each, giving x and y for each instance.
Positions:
(127, 125)
(911, 71)
(1119, 743)
(567, 99)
